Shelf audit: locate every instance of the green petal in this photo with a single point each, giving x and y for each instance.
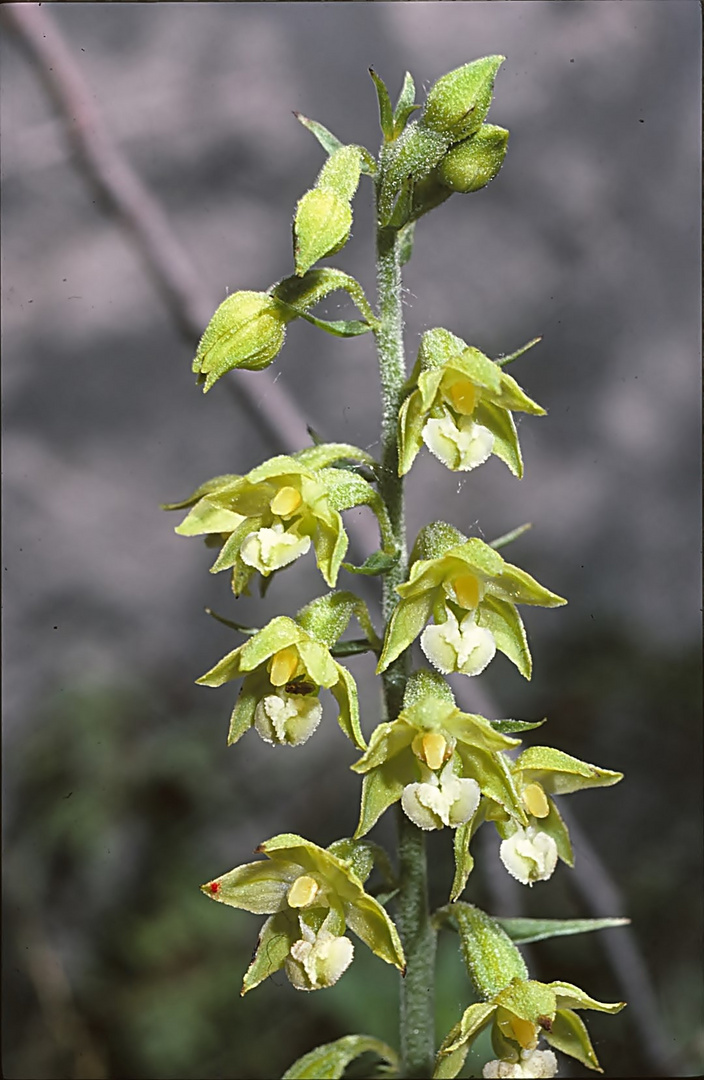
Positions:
(324, 454)
(278, 634)
(226, 669)
(411, 419)
(569, 1035)
(318, 662)
(519, 587)
(476, 731)
(254, 687)
(505, 623)
(560, 773)
(501, 424)
(382, 787)
(511, 396)
(388, 740)
(457, 1043)
(464, 860)
(555, 827)
(330, 543)
(328, 1062)
(492, 773)
(259, 887)
(477, 367)
(327, 617)
(276, 937)
(571, 997)
(207, 488)
(528, 999)
(229, 553)
(345, 693)
(207, 517)
(407, 621)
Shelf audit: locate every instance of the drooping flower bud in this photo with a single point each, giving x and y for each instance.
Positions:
(473, 163)
(458, 102)
(324, 214)
(246, 331)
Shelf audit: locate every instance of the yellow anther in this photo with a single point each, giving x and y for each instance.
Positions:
(467, 591)
(303, 891)
(536, 801)
(285, 502)
(464, 397)
(282, 666)
(434, 746)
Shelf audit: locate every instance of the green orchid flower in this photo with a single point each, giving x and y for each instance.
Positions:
(530, 851)
(436, 760)
(272, 516)
(472, 593)
(520, 1014)
(284, 668)
(312, 897)
(460, 405)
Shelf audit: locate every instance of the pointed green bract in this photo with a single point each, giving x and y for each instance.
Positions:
(523, 931)
(324, 214)
(459, 101)
(328, 1062)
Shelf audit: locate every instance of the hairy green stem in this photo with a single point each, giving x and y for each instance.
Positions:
(417, 1014)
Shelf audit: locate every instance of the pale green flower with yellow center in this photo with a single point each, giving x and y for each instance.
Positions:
(460, 404)
(313, 897)
(269, 518)
(471, 592)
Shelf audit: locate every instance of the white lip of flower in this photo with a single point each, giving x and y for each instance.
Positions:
(533, 1064)
(529, 855)
(287, 718)
(272, 548)
(460, 444)
(440, 800)
(318, 960)
(465, 647)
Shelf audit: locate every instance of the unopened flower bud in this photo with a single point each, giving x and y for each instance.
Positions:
(322, 226)
(458, 102)
(471, 164)
(246, 331)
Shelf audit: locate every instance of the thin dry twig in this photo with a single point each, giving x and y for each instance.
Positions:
(106, 168)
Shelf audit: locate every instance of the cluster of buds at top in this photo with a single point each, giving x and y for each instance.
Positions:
(449, 148)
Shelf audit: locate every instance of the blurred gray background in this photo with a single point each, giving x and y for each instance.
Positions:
(591, 237)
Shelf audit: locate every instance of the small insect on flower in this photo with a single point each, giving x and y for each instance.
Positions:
(299, 686)
(214, 887)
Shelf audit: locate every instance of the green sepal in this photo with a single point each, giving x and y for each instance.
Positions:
(258, 887)
(329, 1061)
(411, 420)
(382, 787)
(456, 1044)
(345, 693)
(230, 551)
(324, 454)
(327, 617)
(528, 999)
(506, 624)
(458, 102)
(330, 143)
(425, 683)
(570, 996)
(524, 931)
(492, 959)
(502, 426)
(253, 689)
(357, 854)
(276, 937)
(555, 827)
(464, 860)
(210, 486)
(510, 727)
(377, 563)
(559, 773)
(407, 620)
(569, 1035)
(386, 118)
(207, 517)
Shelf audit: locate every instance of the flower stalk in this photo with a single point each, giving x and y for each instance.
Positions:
(417, 1014)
